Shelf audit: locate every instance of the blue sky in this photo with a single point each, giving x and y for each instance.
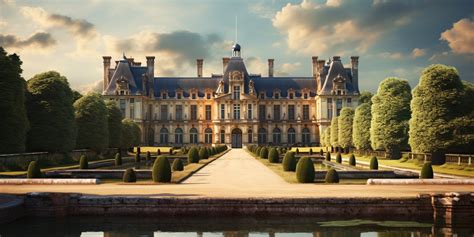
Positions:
(392, 38)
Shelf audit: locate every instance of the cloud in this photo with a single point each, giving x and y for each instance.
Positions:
(460, 37)
(96, 86)
(77, 27)
(37, 40)
(339, 25)
(396, 55)
(258, 66)
(417, 52)
(262, 9)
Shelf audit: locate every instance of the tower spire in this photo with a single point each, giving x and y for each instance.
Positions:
(235, 40)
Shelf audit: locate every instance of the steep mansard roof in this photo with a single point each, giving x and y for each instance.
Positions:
(333, 70)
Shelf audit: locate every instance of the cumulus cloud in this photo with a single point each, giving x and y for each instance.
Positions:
(417, 52)
(258, 66)
(96, 87)
(339, 25)
(37, 40)
(460, 37)
(262, 9)
(394, 55)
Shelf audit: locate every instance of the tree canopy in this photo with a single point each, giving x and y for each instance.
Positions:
(390, 115)
(345, 127)
(91, 118)
(13, 122)
(131, 134)
(361, 127)
(51, 113)
(365, 97)
(114, 118)
(334, 132)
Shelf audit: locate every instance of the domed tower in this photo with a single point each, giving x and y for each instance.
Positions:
(236, 50)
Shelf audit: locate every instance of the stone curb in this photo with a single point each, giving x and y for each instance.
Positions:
(48, 181)
(420, 181)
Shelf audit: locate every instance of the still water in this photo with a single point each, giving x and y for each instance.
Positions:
(228, 227)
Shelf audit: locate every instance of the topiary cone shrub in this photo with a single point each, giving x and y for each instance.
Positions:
(289, 161)
(352, 160)
(138, 150)
(374, 163)
(193, 155)
(178, 165)
(328, 156)
(273, 156)
(264, 153)
(137, 158)
(321, 152)
(118, 159)
(161, 170)
(83, 163)
(426, 171)
(129, 176)
(297, 151)
(257, 151)
(33, 170)
(203, 153)
(332, 176)
(148, 156)
(338, 158)
(305, 170)
(171, 151)
(310, 151)
(158, 152)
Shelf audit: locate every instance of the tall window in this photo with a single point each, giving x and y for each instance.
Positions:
(249, 111)
(163, 96)
(164, 136)
(237, 111)
(179, 95)
(249, 136)
(277, 95)
(276, 136)
(291, 112)
(132, 108)
(164, 112)
(338, 106)
(305, 96)
(122, 107)
(179, 112)
(178, 136)
(222, 111)
(291, 96)
(262, 95)
(222, 136)
(208, 112)
(305, 112)
(276, 112)
(349, 102)
(193, 136)
(193, 96)
(305, 136)
(236, 95)
(193, 112)
(262, 136)
(262, 112)
(291, 136)
(208, 96)
(329, 108)
(208, 136)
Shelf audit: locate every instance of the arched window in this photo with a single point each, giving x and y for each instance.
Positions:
(178, 136)
(305, 136)
(276, 136)
(262, 136)
(249, 136)
(222, 136)
(193, 136)
(291, 136)
(151, 137)
(163, 136)
(208, 136)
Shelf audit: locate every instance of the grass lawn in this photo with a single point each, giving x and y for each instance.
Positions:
(153, 149)
(316, 149)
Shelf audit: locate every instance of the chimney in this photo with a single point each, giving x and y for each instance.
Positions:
(355, 72)
(270, 67)
(106, 70)
(150, 65)
(336, 58)
(199, 67)
(315, 66)
(320, 67)
(225, 61)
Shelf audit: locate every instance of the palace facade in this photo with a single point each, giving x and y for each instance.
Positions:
(235, 107)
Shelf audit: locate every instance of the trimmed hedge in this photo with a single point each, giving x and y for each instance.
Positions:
(83, 163)
(137, 158)
(203, 153)
(158, 152)
(33, 171)
(321, 152)
(297, 151)
(338, 158)
(193, 155)
(264, 153)
(161, 170)
(427, 171)
(352, 160)
(171, 151)
(328, 156)
(310, 151)
(129, 176)
(118, 159)
(374, 163)
(289, 161)
(273, 156)
(178, 165)
(148, 156)
(257, 151)
(332, 176)
(305, 170)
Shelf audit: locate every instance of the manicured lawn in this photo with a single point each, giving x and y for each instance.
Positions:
(152, 149)
(306, 149)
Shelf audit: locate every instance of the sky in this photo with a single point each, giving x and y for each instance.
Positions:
(393, 38)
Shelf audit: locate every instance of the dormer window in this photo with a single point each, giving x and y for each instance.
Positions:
(262, 95)
(178, 96)
(208, 96)
(193, 96)
(291, 96)
(276, 95)
(163, 96)
(236, 94)
(305, 96)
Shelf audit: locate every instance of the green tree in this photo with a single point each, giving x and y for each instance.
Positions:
(361, 127)
(437, 102)
(91, 118)
(346, 117)
(76, 95)
(114, 120)
(390, 115)
(327, 136)
(13, 122)
(365, 97)
(131, 134)
(334, 132)
(51, 113)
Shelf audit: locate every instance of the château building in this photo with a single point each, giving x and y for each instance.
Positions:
(235, 107)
